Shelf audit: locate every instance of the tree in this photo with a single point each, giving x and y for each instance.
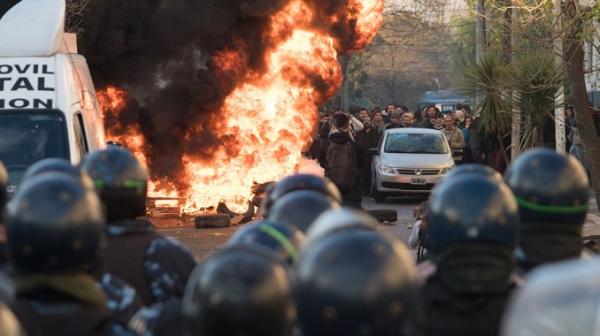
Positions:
(574, 58)
(76, 10)
(408, 57)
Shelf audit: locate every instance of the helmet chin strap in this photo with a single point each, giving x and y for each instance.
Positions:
(476, 268)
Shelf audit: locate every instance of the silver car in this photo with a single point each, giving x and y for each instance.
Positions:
(409, 161)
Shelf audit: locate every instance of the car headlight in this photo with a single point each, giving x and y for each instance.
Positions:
(446, 170)
(386, 169)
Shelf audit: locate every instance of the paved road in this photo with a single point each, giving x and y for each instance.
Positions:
(202, 242)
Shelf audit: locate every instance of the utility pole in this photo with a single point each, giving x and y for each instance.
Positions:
(559, 116)
(480, 43)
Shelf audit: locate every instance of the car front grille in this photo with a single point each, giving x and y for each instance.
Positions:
(408, 186)
(424, 172)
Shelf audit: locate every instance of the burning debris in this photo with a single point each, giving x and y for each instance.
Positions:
(227, 99)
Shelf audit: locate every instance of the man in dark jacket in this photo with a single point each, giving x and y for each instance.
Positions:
(432, 113)
(342, 158)
(368, 138)
(55, 240)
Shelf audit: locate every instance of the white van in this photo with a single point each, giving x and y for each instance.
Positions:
(48, 105)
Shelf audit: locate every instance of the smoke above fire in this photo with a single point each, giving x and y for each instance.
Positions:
(215, 95)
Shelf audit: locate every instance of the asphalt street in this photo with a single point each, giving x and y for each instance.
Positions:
(204, 241)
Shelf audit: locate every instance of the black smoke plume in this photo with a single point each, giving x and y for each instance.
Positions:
(160, 51)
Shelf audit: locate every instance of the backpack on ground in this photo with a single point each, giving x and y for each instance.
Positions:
(342, 165)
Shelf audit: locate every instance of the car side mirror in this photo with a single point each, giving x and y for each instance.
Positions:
(374, 151)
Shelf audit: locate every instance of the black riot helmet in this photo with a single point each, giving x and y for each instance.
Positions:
(54, 224)
(3, 189)
(285, 240)
(334, 220)
(473, 169)
(241, 290)
(549, 187)
(471, 209)
(121, 182)
(301, 208)
(57, 165)
(299, 182)
(357, 282)
(9, 325)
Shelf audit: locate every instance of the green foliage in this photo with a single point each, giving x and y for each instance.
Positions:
(531, 85)
(536, 80)
(487, 77)
(461, 48)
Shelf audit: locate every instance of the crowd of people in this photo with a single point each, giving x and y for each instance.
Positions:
(79, 258)
(363, 130)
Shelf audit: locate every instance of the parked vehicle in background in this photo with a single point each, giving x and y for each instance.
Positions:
(48, 104)
(445, 100)
(409, 161)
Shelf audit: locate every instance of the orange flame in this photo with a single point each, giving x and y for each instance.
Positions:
(270, 115)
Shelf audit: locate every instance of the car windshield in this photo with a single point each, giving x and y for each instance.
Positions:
(30, 136)
(415, 143)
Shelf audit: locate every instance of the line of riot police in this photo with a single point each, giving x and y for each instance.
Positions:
(81, 259)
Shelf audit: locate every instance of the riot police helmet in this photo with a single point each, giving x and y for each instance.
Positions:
(286, 241)
(340, 219)
(240, 290)
(301, 208)
(54, 224)
(470, 209)
(357, 282)
(120, 180)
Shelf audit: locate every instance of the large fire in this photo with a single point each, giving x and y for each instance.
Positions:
(271, 116)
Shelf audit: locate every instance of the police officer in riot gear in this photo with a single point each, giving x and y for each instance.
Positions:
(158, 268)
(552, 191)
(241, 290)
(123, 299)
(357, 281)
(472, 231)
(285, 241)
(300, 208)
(299, 182)
(55, 238)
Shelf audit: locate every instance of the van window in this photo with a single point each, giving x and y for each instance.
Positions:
(82, 146)
(27, 136)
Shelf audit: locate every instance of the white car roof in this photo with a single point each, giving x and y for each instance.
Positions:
(415, 130)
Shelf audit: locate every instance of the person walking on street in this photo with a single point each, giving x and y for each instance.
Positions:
(395, 121)
(431, 114)
(378, 122)
(341, 157)
(408, 119)
(455, 138)
(367, 139)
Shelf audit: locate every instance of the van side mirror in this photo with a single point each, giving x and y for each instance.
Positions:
(374, 151)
